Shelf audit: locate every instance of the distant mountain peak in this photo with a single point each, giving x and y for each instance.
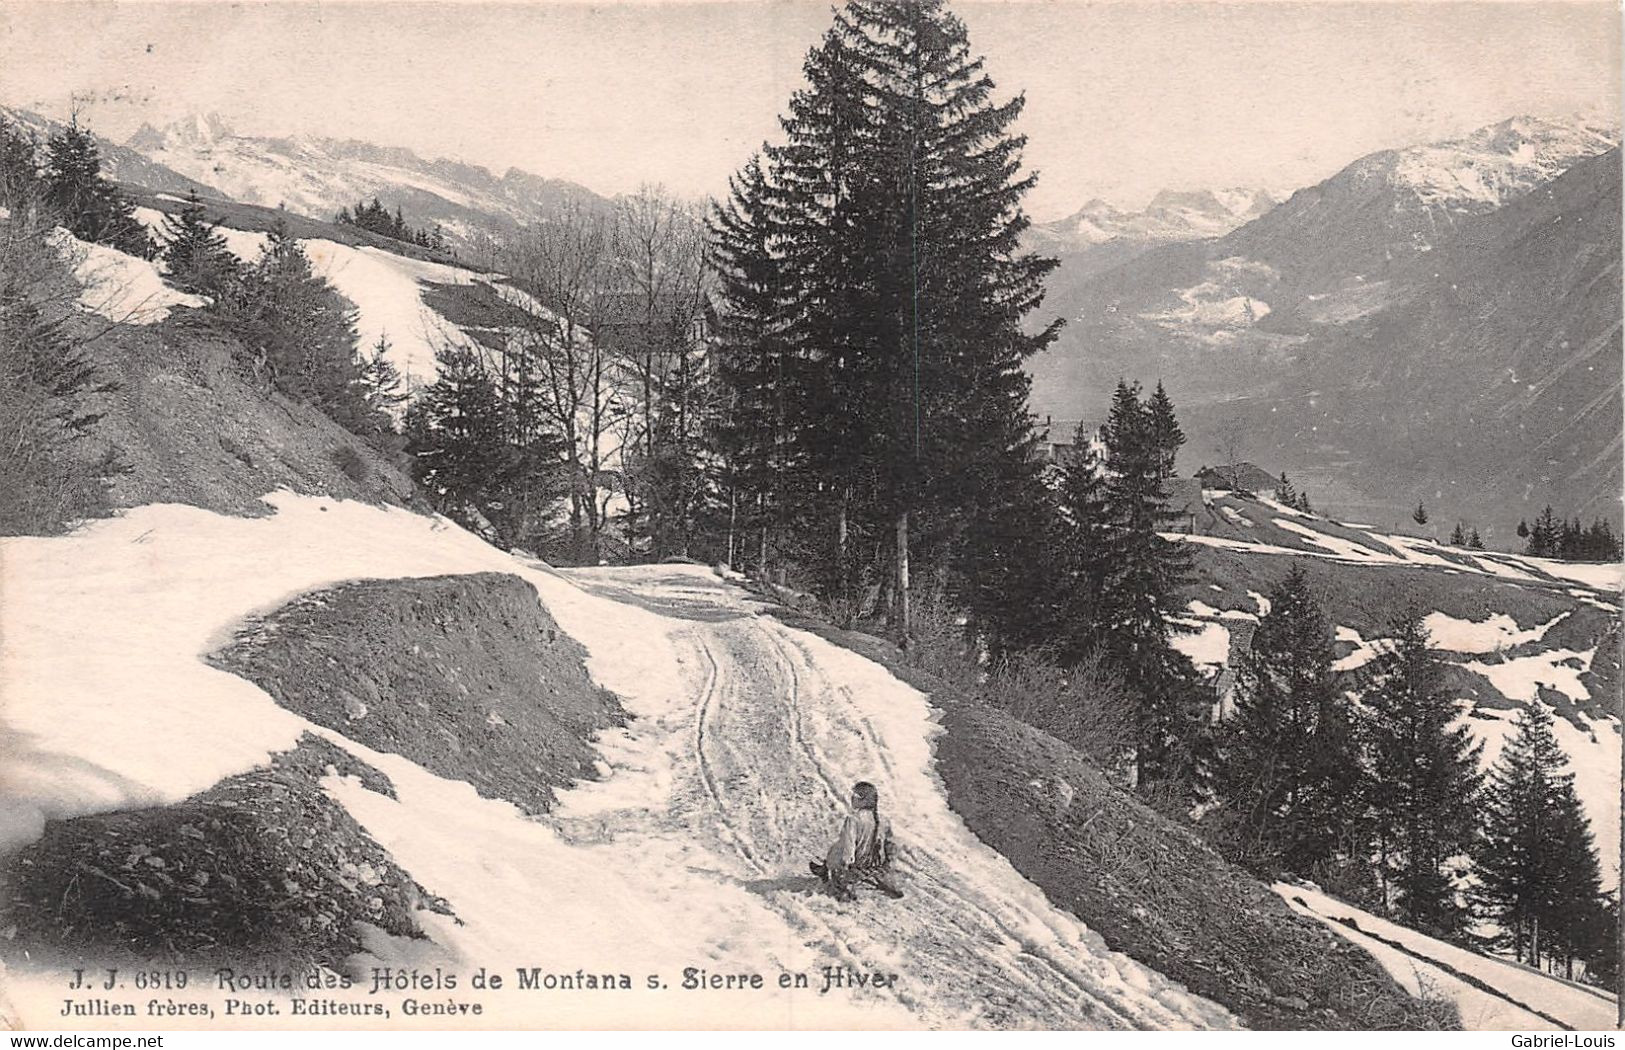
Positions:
(197, 131)
(1172, 215)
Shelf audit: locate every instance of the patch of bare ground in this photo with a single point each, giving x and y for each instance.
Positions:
(190, 426)
(262, 866)
(468, 676)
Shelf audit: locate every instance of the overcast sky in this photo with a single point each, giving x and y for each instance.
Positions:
(1123, 98)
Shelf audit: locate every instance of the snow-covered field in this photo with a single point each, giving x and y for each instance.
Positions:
(691, 854)
(1492, 994)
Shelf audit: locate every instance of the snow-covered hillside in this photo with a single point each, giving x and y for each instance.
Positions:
(119, 287)
(386, 288)
(691, 853)
(1515, 630)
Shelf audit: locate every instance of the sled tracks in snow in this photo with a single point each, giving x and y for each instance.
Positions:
(778, 738)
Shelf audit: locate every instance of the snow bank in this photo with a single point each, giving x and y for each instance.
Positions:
(1421, 552)
(1499, 568)
(1520, 677)
(1497, 631)
(1480, 1010)
(1208, 646)
(119, 287)
(1606, 576)
(247, 245)
(1364, 651)
(1336, 544)
(1281, 508)
(1238, 545)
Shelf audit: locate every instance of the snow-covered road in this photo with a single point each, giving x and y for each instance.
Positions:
(689, 854)
(782, 724)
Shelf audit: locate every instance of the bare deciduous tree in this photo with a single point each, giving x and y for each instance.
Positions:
(561, 269)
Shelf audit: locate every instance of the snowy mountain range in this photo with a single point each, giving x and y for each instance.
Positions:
(1172, 215)
(318, 176)
(1315, 327)
(118, 161)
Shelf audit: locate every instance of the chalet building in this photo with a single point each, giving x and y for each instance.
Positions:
(1224, 685)
(630, 320)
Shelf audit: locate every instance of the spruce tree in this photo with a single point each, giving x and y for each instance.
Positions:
(896, 210)
(454, 434)
(1284, 492)
(1458, 538)
(1084, 547)
(824, 188)
(1165, 435)
(1544, 535)
(195, 254)
(1538, 878)
(1578, 906)
(1515, 856)
(1420, 514)
(757, 429)
(296, 329)
(1141, 592)
(90, 206)
(1423, 781)
(952, 285)
(1288, 766)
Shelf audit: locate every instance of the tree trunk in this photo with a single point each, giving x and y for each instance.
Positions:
(762, 558)
(733, 523)
(905, 623)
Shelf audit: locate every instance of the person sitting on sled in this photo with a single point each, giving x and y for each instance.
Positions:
(863, 851)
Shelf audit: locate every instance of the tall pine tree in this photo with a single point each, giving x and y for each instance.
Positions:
(1538, 879)
(1141, 592)
(1288, 766)
(896, 220)
(1423, 783)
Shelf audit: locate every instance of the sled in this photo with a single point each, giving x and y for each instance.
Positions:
(860, 875)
